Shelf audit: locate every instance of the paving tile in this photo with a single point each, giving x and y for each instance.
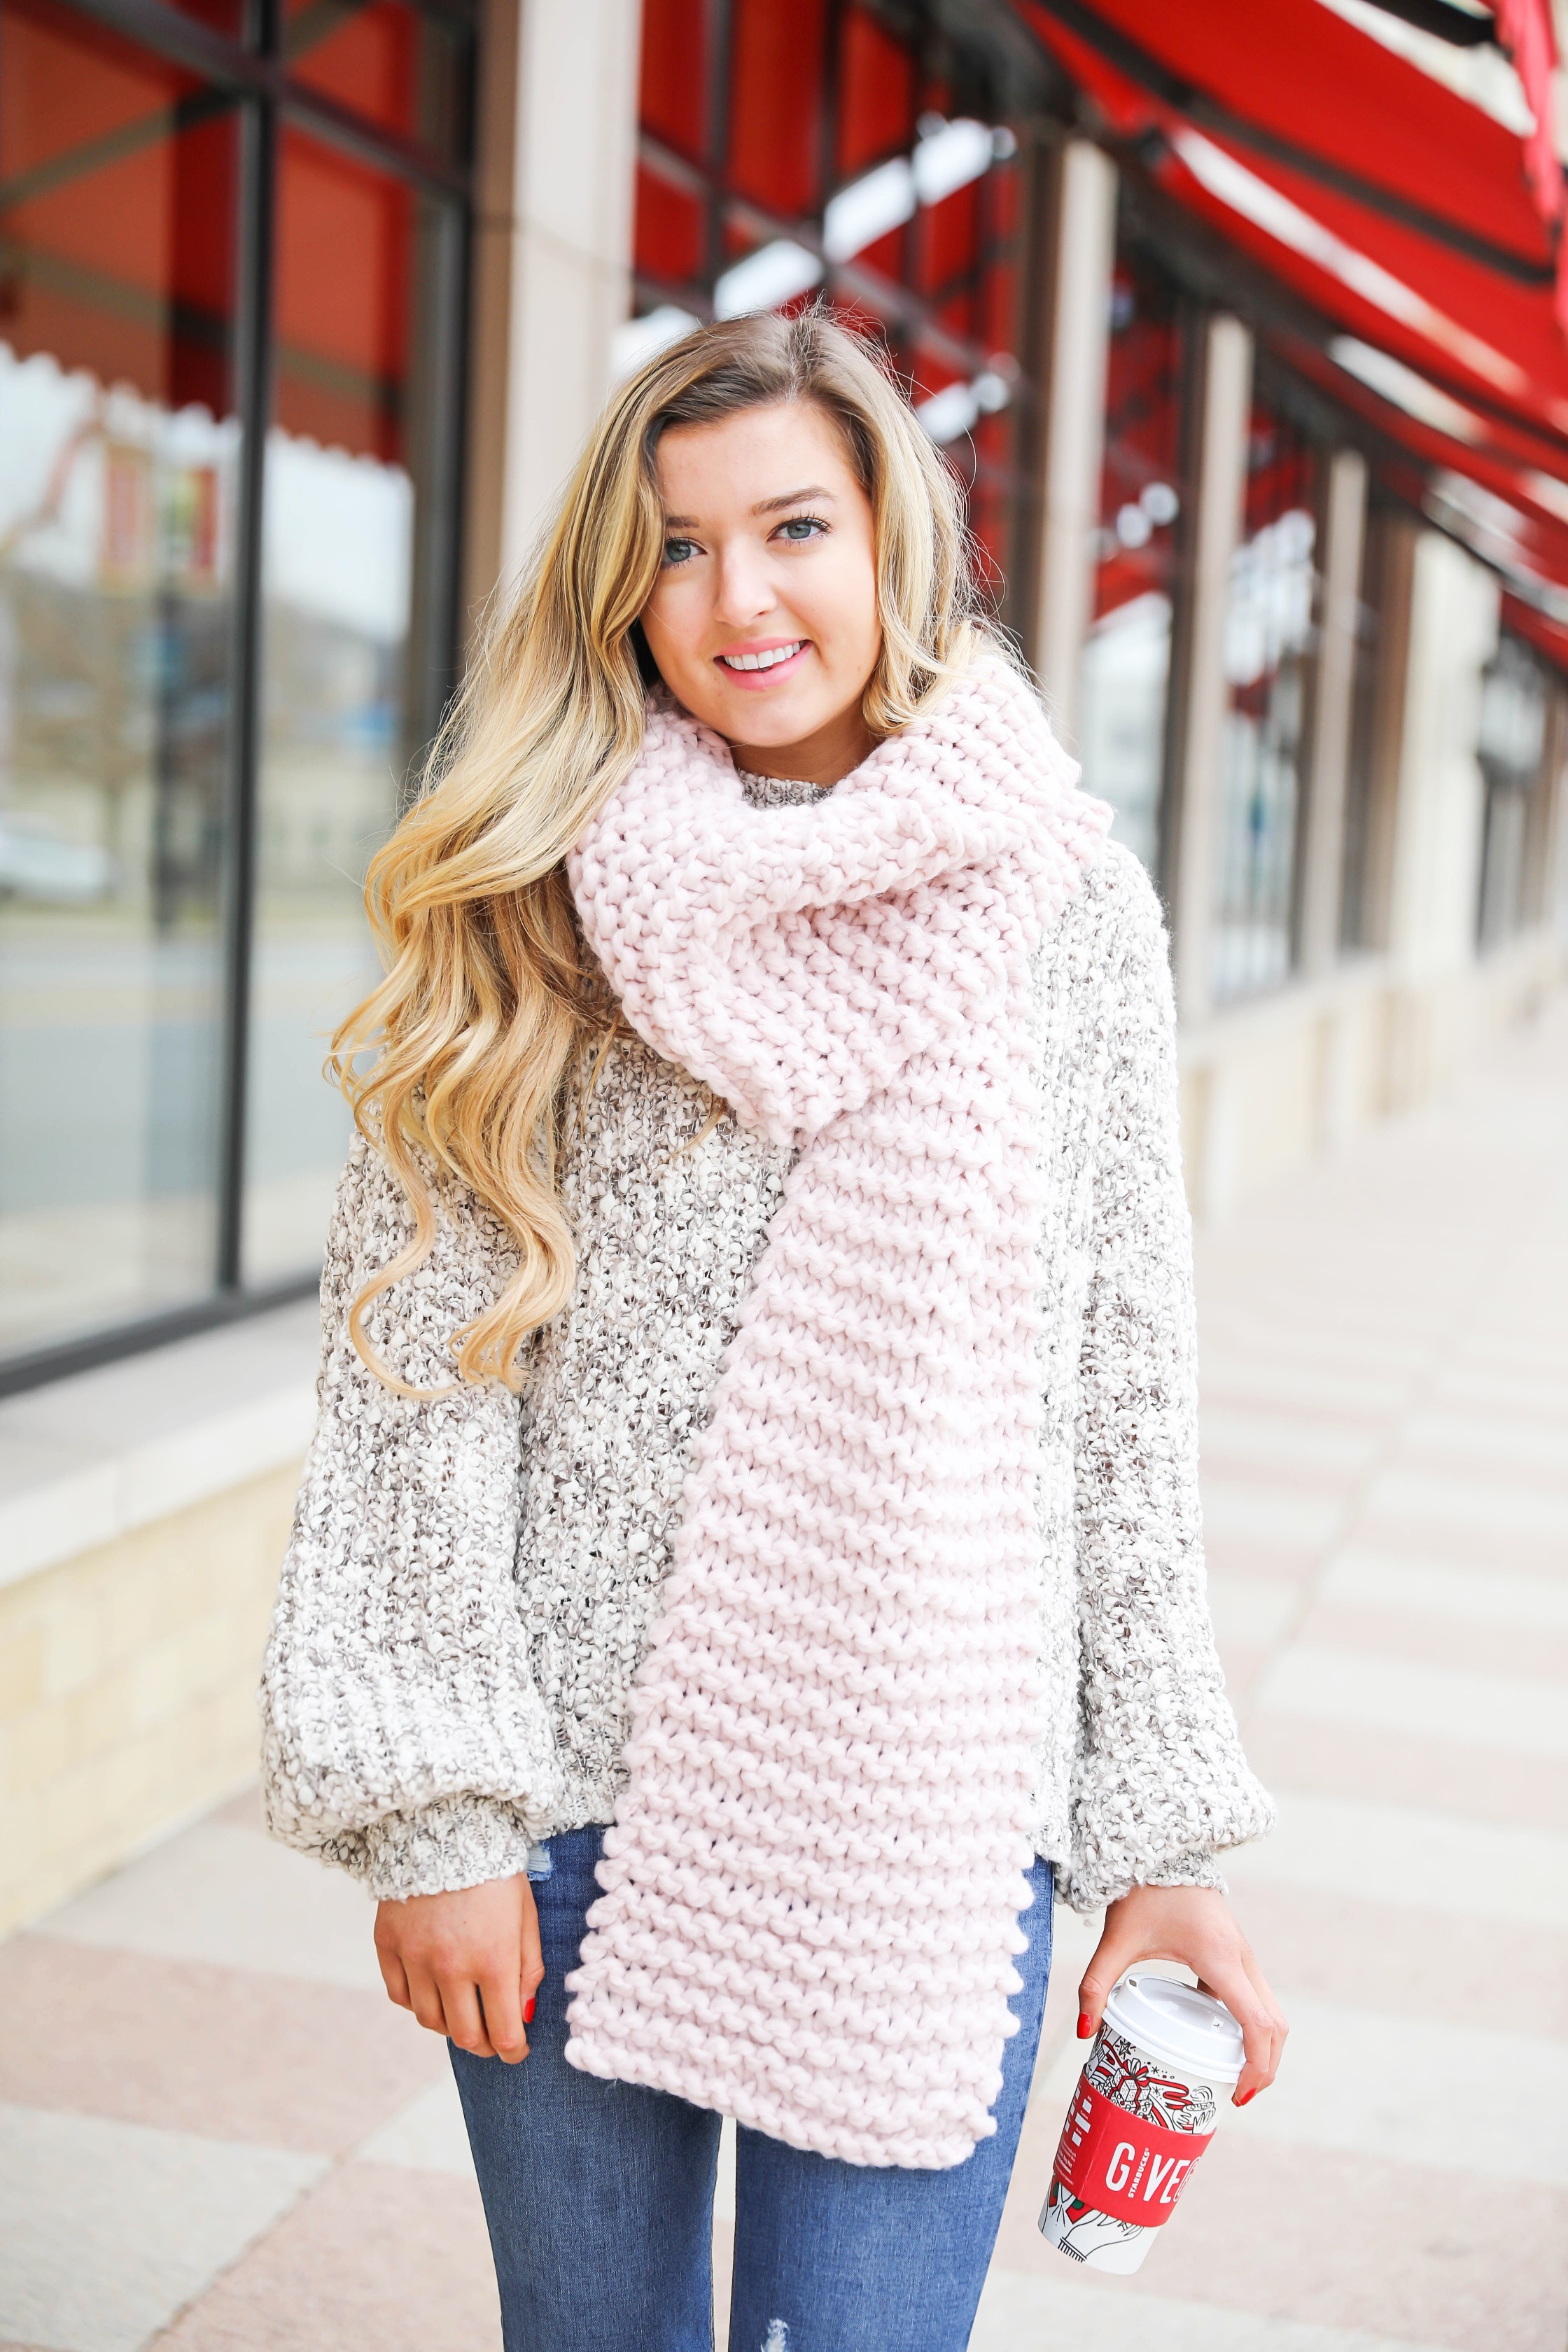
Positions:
(1288, 1442)
(1423, 1964)
(1306, 1755)
(227, 1894)
(1253, 1608)
(428, 2135)
(377, 2259)
(1375, 2083)
(1021, 2308)
(1495, 1508)
(1255, 1510)
(106, 2229)
(1394, 1693)
(228, 2052)
(1454, 1543)
(243, 1810)
(1475, 1596)
(1289, 1565)
(1398, 1854)
(1275, 2236)
(1229, 1379)
(1426, 1637)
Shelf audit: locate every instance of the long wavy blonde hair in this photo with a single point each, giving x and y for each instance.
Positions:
(469, 1058)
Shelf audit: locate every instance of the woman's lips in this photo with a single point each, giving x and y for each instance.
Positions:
(756, 681)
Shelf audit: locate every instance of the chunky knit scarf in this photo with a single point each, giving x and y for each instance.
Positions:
(813, 1884)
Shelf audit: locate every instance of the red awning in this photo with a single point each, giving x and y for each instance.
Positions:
(1393, 205)
(1398, 211)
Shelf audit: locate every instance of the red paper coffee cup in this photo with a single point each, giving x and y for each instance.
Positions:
(1145, 2107)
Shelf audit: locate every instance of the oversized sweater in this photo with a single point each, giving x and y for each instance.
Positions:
(470, 1580)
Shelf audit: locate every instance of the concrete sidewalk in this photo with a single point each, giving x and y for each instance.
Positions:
(219, 2138)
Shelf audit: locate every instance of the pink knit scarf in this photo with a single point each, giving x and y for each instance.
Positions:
(813, 1884)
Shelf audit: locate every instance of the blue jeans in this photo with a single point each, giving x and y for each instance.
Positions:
(600, 2195)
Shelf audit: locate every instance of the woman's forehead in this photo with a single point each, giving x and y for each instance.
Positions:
(756, 459)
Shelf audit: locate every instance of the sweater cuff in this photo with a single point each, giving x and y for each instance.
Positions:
(1201, 1869)
(457, 1841)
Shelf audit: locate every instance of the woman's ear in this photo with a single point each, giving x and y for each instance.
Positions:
(647, 668)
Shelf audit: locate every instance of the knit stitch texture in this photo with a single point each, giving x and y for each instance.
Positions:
(836, 1715)
(470, 1584)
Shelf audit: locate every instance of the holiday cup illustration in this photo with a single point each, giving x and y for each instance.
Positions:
(1144, 2109)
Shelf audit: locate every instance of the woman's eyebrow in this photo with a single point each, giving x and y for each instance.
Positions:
(763, 506)
(791, 498)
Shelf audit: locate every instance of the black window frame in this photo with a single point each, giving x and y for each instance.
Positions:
(252, 71)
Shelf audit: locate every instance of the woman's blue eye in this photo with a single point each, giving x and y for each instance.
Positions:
(680, 551)
(801, 527)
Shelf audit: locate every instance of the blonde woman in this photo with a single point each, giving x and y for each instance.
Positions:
(749, 1560)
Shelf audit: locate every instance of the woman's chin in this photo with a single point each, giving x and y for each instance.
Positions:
(787, 715)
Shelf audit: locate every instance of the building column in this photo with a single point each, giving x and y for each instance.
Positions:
(1439, 814)
(1224, 408)
(1323, 845)
(553, 258)
(1080, 255)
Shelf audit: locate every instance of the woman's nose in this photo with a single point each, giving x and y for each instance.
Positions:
(745, 590)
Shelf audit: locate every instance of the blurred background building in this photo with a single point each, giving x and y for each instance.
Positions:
(1241, 328)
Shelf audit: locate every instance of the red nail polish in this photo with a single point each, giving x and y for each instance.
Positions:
(1085, 2025)
(528, 2014)
(1245, 2096)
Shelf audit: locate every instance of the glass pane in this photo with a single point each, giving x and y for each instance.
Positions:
(1268, 643)
(671, 226)
(397, 67)
(1511, 746)
(1127, 660)
(876, 94)
(355, 274)
(117, 479)
(673, 98)
(777, 57)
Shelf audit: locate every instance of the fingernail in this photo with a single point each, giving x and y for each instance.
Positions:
(528, 2014)
(1085, 2025)
(1244, 2097)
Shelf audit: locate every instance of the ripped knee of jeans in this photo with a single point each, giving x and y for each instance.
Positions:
(777, 2337)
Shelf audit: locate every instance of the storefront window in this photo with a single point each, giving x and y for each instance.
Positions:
(1268, 643)
(1126, 660)
(790, 151)
(1511, 747)
(339, 721)
(165, 1135)
(117, 479)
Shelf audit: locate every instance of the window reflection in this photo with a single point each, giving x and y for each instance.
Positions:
(1268, 644)
(1512, 749)
(1126, 670)
(339, 727)
(117, 475)
(400, 67)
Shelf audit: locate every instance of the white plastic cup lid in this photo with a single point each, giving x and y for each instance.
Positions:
(1175, 2023)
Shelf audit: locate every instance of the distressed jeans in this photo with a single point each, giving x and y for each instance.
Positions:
(599, 2196)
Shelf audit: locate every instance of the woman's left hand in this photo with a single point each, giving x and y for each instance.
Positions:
(1194, 1926)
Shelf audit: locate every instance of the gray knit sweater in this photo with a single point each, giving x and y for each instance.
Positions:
(469, 1584)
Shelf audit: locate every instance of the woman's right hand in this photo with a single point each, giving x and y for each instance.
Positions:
(466, 1964)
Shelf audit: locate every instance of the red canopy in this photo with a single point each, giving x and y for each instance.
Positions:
(1393, 205)
(1399, 211)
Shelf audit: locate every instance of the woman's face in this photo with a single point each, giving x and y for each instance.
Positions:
(764, 621)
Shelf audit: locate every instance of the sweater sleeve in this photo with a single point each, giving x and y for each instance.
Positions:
(403, 1738)
(1161, 1782)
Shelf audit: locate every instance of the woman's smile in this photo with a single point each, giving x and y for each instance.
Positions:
(756, 668)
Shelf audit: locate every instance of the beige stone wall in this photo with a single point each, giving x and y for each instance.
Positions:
(127, 1688)
(1268, 1085)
